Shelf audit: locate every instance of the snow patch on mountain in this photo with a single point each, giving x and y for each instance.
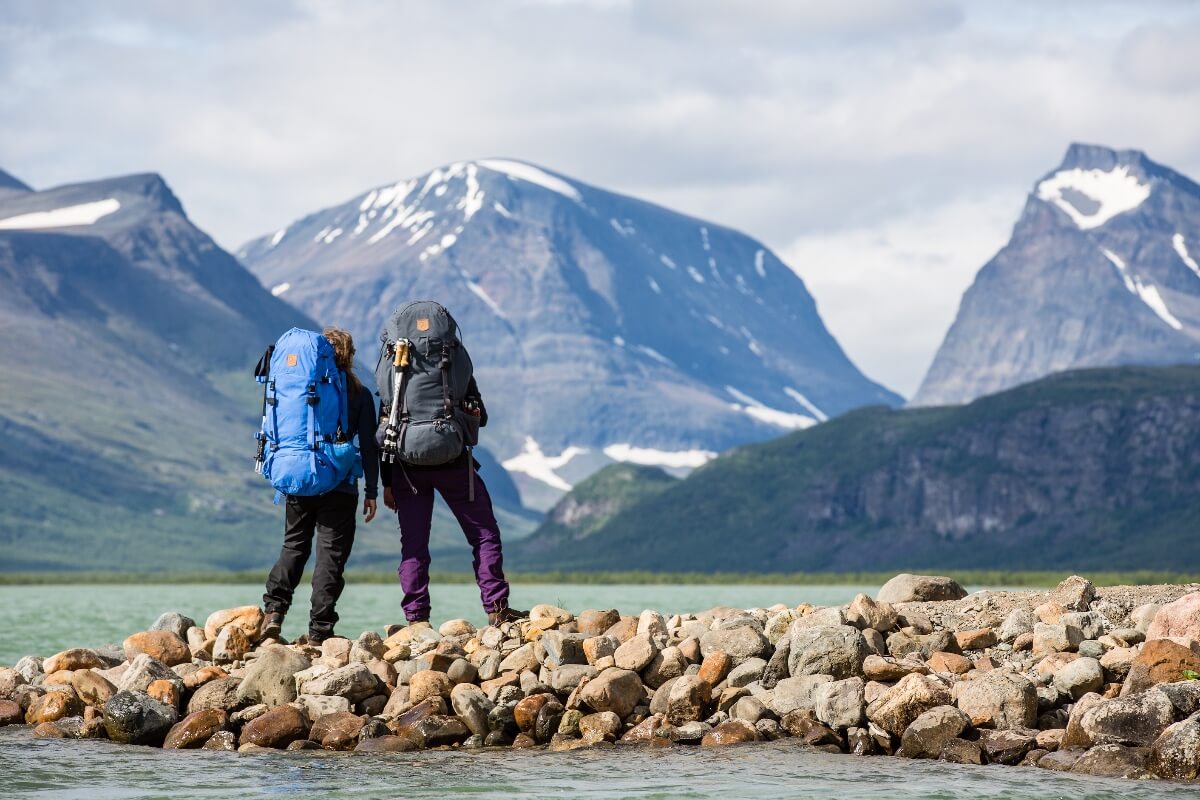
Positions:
(648, 456)
(539, 466)
(1102, 194)
(1144, 290)
(764, 413)
(66, 217)
(280, 288)
(531, 174)
(806, 403)
(1181, 249)
(479, 292)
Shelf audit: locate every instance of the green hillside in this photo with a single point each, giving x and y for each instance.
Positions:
(1096, 469)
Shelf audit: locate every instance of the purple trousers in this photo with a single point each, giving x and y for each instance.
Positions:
(478, 521)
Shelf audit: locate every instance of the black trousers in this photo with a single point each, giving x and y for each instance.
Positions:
(331, 517)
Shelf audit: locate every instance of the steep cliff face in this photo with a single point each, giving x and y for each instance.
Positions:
(1101, 270)
(1093, 468)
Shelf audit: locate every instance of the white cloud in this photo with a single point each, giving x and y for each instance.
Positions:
(820, 128)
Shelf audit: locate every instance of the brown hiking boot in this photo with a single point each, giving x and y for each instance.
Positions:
(272, 625)
(419, 623)
(502, 615)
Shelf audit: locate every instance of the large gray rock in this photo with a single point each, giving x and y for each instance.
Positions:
(615, 690)
(1176, 752)
(1079, 677)
(174, 622)
(1113, 761)
(840, 704)
(145, 670)
(1134, 720)
(928, 734)
(906, 588)
(637, 653)
(354, 682)
(741, 643)
(221, 693)
(564, 679)
(837, 651)
(796, 693)
(137, 718)
(900, 705)
(271, 677)
(864, 613)
(472, 707)
(746, 673)
(667, 663)
(1018, 621)
(998, 699)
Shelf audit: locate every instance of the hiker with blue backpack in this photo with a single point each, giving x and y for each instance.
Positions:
(430, 415)
(314, 407)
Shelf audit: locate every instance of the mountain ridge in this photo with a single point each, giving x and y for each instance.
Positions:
(599, 324)
(1100, 270)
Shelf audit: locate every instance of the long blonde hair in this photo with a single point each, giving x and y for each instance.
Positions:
(343, 354)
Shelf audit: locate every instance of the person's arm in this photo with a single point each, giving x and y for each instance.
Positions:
(473, 391)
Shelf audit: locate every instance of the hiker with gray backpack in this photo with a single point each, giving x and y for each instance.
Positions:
(430, 415)
(314, 408)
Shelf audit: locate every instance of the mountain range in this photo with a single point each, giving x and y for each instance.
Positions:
(602, 328)
(1101, 270)
(130, 338)
(1088, 469)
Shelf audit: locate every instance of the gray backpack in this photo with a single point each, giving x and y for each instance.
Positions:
(423, 374)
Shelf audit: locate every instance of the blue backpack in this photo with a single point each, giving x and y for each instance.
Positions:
(304, 445)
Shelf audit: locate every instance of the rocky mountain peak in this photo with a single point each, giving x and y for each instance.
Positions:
(10, 182)
(1101, 270)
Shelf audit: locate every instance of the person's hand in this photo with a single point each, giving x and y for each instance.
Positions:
(388, 499)
(368, 510)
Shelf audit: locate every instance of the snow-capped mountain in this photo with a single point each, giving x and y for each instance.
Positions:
(1101, 270)
(602, 327)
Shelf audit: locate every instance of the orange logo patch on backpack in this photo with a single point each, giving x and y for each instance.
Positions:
(422, 325)
(291, 359)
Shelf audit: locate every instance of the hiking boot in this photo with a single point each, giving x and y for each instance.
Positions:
(272, 625)
(502, 615)
(419, 623)
(315, 639)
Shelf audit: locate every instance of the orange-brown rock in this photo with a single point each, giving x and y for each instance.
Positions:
(644, 730)
(48, 730)
(278, 727)
(60, 678)
(624, 629)
(195, 729)
(92, 687)
(527, 710)
(715, 667)
(1160, 661)
(976, 639)
(75, 658)
(165, 692)
(11, 713)
(337, 731)
(735, 731)
(164, 646)
(949, 662)
(52, 706)
(248, 618)
(428, 683)
(506, 679)
(203, 675)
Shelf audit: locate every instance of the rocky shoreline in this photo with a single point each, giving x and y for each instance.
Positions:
(1102, 682)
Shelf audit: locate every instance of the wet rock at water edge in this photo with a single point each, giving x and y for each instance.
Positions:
(135, 718)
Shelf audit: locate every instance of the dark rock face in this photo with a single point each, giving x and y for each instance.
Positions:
(1081, 283)
(585, 295)
(136, 718)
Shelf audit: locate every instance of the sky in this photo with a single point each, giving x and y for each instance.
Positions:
(883, 148)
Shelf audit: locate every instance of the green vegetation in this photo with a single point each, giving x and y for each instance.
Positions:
(1082, 471)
